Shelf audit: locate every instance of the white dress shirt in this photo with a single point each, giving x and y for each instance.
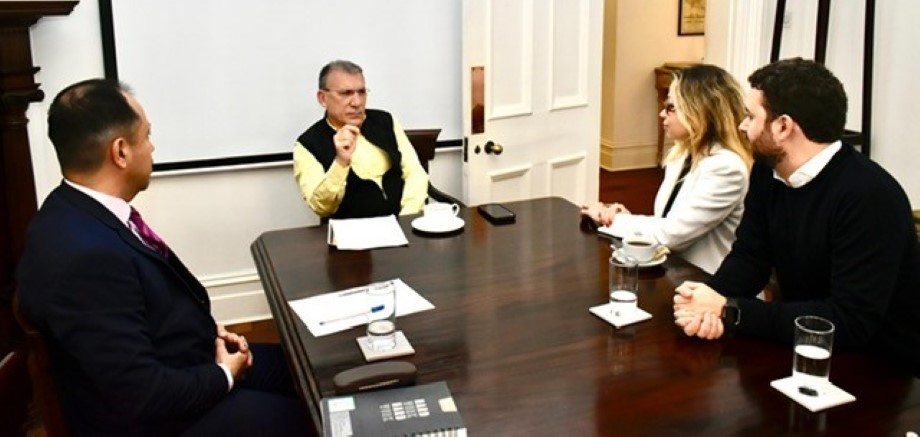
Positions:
(810, 169)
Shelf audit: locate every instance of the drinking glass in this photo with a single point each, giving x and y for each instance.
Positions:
(814, 340)
(381, 316)
(623, 285)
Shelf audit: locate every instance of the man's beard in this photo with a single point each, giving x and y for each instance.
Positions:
(767, 151)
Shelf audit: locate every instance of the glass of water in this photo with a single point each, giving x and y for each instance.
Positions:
(814, 341)
(623, 285)
(381, 316)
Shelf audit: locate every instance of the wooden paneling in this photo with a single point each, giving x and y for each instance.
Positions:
(17, 191)
(17, 185)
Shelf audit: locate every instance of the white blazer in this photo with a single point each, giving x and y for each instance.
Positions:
(701, 224)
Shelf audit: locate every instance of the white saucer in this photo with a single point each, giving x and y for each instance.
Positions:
(828, 396)
(606, 312)
(650, 263)
(426, 224)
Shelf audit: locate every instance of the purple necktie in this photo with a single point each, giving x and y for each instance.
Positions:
(151, 239)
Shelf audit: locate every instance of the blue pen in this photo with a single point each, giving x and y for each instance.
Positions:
(375, 309)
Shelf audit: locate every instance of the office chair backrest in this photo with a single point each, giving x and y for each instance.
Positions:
(424, 141)
(39, 363)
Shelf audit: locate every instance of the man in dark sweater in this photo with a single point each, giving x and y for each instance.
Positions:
(834, 226)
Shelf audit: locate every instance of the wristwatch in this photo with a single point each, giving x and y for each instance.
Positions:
(731, 313)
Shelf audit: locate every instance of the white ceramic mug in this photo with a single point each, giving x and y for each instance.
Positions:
(641, 249)
(440, 211)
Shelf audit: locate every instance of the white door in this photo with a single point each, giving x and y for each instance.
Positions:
(540, 64)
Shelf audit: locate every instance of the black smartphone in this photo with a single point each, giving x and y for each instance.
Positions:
(496, 213)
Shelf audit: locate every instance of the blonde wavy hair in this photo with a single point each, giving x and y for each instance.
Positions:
(710, 106)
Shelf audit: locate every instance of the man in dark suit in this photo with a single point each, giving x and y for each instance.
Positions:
(133, 346)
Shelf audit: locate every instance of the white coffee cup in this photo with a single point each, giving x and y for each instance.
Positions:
(641, 249)
(440, 211)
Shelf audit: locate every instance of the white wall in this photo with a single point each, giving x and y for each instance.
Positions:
(894, 141)
(208, 217)
(895, 88)
(738, 35)
(264, 55)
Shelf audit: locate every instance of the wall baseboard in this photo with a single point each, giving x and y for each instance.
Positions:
(627, 156)
(237, 297)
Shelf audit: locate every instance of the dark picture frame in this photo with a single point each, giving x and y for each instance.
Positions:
(691, 17)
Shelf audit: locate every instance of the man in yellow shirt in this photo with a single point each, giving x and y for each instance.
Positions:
(356, 162)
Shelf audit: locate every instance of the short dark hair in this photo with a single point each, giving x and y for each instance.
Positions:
(340, 65)
(84, 117)
(807, 92)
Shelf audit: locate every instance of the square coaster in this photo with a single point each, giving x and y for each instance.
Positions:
(606, 312)
(829, 395)
(402, 348)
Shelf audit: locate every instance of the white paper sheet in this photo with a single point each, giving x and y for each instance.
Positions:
(613, 230)
(344, 309)
(366, 233)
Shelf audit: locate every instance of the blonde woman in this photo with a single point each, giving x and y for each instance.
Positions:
(700, 201)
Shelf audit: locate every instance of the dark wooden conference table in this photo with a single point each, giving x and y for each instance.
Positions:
(512, 336)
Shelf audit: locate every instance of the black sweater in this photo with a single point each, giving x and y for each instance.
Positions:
(843, 247)
(363, 197)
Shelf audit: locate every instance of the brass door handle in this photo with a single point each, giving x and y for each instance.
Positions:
(494, 148)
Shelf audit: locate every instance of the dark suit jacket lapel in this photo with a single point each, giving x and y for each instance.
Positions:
(101, 213)
(92, 207)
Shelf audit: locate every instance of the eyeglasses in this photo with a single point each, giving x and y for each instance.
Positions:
(670, 108)
(348, 94)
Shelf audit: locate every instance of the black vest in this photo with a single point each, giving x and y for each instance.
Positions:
(363, 197)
